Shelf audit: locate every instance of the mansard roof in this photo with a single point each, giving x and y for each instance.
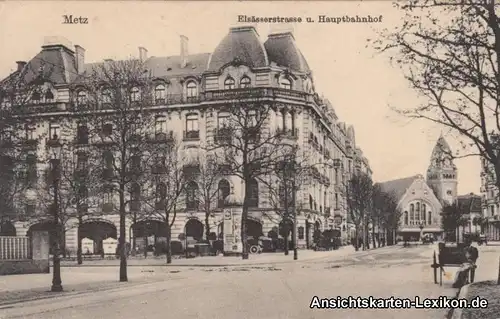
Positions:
(470, 203)
(55, 64)
(241, 44)
(283, 50)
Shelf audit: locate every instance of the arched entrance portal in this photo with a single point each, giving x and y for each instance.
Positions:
(146, 233)
(7, 228)
(54, 233)
(194, 228)
(254, 228)
(98, 231)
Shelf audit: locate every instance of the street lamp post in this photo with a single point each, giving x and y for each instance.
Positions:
(55, 171)
(421, 229)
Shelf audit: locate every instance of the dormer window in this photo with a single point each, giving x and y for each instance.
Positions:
(229, 83)
(134, 94)
(286, 84)
(191, 89)
(35, 97)
(49, 96)
(245, 82)
(160, 93)
(81, 98)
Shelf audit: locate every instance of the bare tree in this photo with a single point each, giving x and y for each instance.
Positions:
(166, 192)
(452, 218)
(359, 197)
(77, 188)
(454, 64)
(210, 193)
(386, 213)
(115, 109)
(23, 94)
(250, 148)
(290, 175)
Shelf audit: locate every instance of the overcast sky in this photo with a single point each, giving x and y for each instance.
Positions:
(359, 84)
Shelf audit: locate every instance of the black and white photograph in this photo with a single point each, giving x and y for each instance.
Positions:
(250, 159)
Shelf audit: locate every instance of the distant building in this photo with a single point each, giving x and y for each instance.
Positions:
(490, 201)
(421, 201)
(471, 207)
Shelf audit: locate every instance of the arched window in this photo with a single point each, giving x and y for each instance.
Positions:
(229, 83)
(160, 94)
(418, 208)
(134, 94)
(191, 89)
(424, 209)
(106, 96)
(223, 120)
(406, 218)
(417, 216)
(310, 202)
(245, 82)
(135, 191)
(288, 120)
(412, 217)
(49, 96)
(412, 208)
(254, 193)
(192, 195)
(224, 189)
(430, 218)
(81, 98)
(285, 83)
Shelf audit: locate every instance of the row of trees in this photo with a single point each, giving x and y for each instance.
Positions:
(123, 153)
(370, 207)
(125, 160)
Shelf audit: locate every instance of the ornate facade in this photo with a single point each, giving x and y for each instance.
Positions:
(490, 202)
(189, 88)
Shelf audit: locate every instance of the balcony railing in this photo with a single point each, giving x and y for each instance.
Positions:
(292, 133)
(191, 135)
(222, 135)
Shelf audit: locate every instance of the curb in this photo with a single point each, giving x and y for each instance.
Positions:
(457, 312)
(354, 253)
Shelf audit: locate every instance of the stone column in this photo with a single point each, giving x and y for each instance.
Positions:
(21, 229)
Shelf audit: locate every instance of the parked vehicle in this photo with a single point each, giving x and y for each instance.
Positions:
(427, 239)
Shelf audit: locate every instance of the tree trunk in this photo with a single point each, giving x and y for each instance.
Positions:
(207, 224)
(356, 234)
(244, 241)
(286, 244)
(123, 247)
(169, 240)
(79, 247)
(374, 239)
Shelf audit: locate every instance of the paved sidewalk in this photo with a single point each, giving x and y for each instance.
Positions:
(220, 261)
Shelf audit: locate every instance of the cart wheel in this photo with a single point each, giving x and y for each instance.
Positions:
(254, 249)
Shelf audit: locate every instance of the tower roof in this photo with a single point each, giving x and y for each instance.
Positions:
(442, 156)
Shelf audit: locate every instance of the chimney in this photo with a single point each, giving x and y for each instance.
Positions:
(143, 54)
(184, 51)
(20, 65)
(79, 58)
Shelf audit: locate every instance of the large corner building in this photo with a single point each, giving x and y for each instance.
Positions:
(188, 91)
